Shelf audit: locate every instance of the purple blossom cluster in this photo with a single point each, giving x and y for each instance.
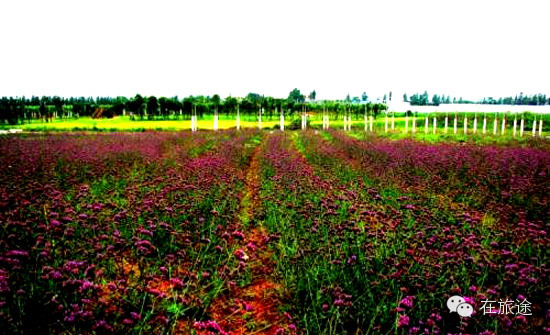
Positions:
(100, 230)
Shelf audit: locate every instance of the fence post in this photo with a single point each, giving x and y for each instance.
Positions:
(282, 120)
(521, 126)
(215, 126)
(503, 124)
(426, 125)
(540, 125)
(238, 121)
(495, 125)
(515, 124)
(435, 124)
(456, 124)
(366, 119)
(304, 122)
(194, 119)
(484, 123)
(535, 126)
(465, 125)
(371, 122)
(475, 123)
(446, 122)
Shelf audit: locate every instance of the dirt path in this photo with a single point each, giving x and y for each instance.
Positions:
(253, 309)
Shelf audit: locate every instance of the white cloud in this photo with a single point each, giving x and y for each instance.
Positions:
(464, 48)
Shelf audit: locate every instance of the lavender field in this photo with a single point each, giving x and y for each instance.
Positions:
(258, 232)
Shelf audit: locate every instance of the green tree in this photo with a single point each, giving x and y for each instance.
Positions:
(364, 97)
(296, 96)
(152, 106)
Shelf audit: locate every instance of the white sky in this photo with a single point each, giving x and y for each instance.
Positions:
(165, 48)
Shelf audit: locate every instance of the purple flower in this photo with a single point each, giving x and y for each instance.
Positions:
(241, 255)
(19, 253)
(403, 321)
(407, 301)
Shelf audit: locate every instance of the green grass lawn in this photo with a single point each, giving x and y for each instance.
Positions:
(123, 123)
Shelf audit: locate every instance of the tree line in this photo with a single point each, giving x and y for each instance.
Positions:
(423, 99)
(20, 109)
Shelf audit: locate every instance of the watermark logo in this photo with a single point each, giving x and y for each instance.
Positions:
(459, 305)
(506, 307)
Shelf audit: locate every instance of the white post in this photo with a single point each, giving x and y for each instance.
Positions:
(238, 121)
(366, 119)
(515, 123)
(194, 119)
(446, 122)
(455, 124)
(435, 124)
(371, 122)
(484, 123)
(540, 126)
(260, 119)
(426, 125)
(503, 124)
(535, 126)
(282, 121)
(521, 126)
(303, 118)
(475, 123)
(465, 125)
(346, 122)
(216, 119)
(495, 125)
